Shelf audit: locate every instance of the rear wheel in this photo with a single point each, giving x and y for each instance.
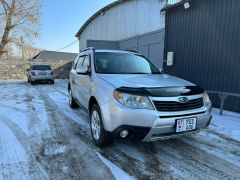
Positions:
(72, 102)
(99, 134)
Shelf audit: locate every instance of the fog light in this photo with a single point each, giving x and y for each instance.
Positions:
(124, 133)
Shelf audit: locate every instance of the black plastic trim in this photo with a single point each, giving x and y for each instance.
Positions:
(163, 91)
(135, 132)
(182, 115)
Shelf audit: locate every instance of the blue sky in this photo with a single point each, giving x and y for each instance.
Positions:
(61, 19)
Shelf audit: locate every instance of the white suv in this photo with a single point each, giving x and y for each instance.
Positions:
(38, 73)
(127, 96)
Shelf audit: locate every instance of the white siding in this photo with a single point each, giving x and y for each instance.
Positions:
(125, 20)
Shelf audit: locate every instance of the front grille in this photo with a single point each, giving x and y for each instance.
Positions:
(177, 106)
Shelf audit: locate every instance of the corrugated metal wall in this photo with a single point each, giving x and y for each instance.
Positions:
(206, 42)
(98, 44)
(150, 45)
(125, 20)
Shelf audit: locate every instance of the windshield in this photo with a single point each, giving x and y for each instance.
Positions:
(123, 63)
(41, 67)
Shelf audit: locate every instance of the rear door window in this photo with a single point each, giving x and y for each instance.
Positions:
(41, 68)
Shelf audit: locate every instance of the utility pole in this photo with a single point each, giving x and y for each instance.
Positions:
(22, 46)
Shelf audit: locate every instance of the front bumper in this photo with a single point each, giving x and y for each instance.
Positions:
(157, 125)
(169, 131)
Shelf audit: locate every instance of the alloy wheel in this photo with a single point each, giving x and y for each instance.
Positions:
(95, 125)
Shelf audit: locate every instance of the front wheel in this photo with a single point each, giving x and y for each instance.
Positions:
(99, 135)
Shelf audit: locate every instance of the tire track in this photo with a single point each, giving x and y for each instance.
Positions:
(82, 163)
(191, 162)
(198, 162)
(166, 159)
(127, 163)
(31, 148)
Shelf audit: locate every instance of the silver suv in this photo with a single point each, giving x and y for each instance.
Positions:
(127, 96)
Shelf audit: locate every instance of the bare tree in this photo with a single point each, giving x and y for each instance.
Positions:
(28, 51)
(18, 19)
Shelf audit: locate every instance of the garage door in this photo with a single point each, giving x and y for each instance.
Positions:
(150, 45)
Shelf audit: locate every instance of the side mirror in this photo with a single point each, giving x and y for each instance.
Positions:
(27, 70)
(82, 70)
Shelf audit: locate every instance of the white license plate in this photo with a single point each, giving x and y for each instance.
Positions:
(42, 73)
(186, 124)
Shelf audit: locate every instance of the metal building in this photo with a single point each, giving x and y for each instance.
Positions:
(129, 25)
(205, 39)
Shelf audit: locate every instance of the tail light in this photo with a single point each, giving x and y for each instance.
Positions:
(33, 73)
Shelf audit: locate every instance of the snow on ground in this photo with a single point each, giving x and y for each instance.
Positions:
(17, 117)
(117, 172)
(227, 124)
(42, 138)
(13, 157)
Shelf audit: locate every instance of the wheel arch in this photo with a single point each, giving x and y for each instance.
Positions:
(69, 86)
(91, 102)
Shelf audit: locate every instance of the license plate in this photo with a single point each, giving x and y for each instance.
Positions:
(42, 73)
(186, 124)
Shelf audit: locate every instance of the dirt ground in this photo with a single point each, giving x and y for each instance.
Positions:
(42, 138)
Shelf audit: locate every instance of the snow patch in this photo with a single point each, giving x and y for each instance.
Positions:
(116, 171)
(227, 124)
(54, 149)
(62, 102)
(17, 117)
(12, 154)
(41, 111)
(131, 151)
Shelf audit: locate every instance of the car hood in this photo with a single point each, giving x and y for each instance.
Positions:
(144, 81)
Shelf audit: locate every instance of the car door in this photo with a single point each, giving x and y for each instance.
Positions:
(84, 83)
(74, 77)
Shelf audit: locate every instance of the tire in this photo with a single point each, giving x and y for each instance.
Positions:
(32, 82)
(52, 82)
(99, 134)
(72, 102)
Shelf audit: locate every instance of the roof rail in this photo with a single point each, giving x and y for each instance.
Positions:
(89, 49)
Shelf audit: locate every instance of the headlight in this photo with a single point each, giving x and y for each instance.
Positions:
(206, 99)
(133, 101)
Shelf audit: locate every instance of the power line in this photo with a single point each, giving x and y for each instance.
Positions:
(67, 46)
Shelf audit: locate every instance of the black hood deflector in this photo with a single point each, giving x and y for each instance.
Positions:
(163, 91)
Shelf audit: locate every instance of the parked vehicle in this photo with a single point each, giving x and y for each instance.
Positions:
(127, 96)
(38, 73)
